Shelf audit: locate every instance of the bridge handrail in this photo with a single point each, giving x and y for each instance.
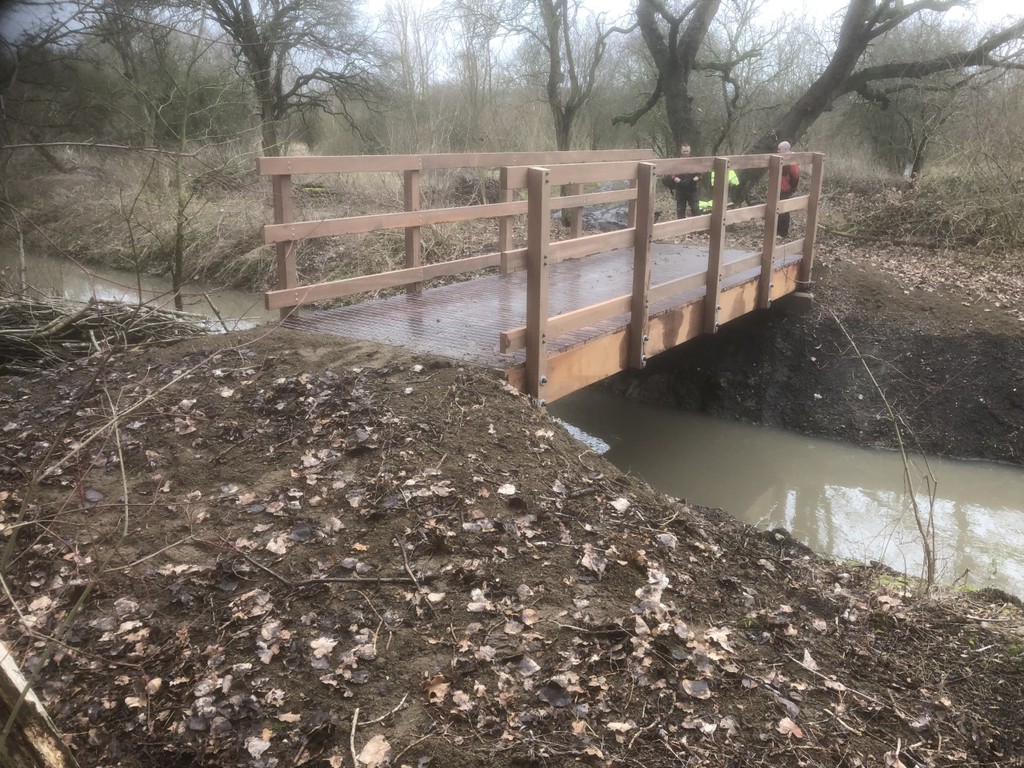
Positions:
(286, 233)
(541, 329)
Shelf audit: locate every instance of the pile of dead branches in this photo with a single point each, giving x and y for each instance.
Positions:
(38, 331)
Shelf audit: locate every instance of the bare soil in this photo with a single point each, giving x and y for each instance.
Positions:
(274, 549)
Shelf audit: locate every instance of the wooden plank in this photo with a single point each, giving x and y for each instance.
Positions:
(811, 230)
(741, 265)
(677, 166)
(797, 203)
(587, 173)
(336, 289)
(677, 227)
(746, 213)
(737, 301)
(786, 280)
(287, 249)
(644, 235)
(792, 248)
(670, 329)
(602, 357)
(631, 206)
(771, 226)
(301, 230)
(576, 368)
(575, 212)
(538, 240)
(566, 250)
(746, 162)
(514, 339)
(517, 170)
(513, 261)
(716, 248)
(505, 195)
(678, 287)
(413, 235)
(294, 166)
(593, 198)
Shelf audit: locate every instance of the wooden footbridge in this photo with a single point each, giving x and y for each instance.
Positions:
(554, 315)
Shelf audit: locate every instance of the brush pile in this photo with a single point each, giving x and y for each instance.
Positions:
(39, 331)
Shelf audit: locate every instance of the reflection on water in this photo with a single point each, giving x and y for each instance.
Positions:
(841, 500)
(62, 278)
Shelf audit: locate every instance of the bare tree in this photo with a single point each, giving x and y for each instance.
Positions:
(674, 39)
(864, 22)
(299, 54)
(574, 52)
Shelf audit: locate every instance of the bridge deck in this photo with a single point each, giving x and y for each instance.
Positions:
(463, 320)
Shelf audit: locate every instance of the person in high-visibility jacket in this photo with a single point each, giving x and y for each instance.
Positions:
(734, 188)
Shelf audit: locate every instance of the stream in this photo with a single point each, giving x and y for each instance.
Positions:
(61, 278)
(840, 500)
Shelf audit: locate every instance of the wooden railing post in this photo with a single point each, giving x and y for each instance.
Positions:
(640, 302)
(771, 225)
(538, 241)
(575, 214)
(631, 207)
(413, 235)
(716, 248)
(811, 231)
(284, 212)
(505, 195)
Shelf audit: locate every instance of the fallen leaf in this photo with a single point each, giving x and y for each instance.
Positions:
(697, 689)
(436, 689)
(256, 746)
(376, 752)
(789, 728)
(322, 646)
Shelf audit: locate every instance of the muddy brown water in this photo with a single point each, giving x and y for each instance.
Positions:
(840, 500)
(65, 279)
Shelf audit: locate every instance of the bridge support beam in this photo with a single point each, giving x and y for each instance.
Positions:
(284, 212)
(771, 224)
(811, 232)
(538, 244)
(644, 234)
(719, 204)
(413, 235)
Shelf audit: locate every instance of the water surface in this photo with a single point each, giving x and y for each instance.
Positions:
(840, 500)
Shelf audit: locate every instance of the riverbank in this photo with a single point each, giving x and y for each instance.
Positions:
(930, 339)
(268, 548)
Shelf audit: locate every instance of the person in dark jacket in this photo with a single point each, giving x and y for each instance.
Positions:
(686, 188)
(790, 180)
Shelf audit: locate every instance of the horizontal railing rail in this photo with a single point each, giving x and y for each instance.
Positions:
(286, 233)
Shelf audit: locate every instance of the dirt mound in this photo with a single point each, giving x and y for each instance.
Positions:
(271, 549)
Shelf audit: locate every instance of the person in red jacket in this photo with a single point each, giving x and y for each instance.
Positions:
(790, 180)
